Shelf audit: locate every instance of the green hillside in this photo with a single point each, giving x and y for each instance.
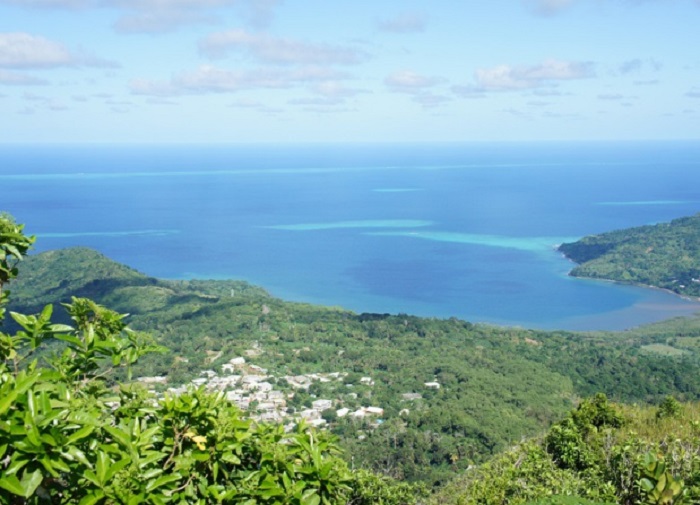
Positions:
(599, 453)
(665, 255)
(496, 385)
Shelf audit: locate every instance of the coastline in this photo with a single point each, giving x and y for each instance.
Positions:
(638, 285)
(624, 283)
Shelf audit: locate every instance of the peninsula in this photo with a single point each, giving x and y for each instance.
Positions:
(664, 255)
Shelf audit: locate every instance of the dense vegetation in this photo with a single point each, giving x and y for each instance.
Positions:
(496, 384)
(75, 429)
(600, 452)
(665, 255)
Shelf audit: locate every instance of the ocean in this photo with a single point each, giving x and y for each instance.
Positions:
(439, 230)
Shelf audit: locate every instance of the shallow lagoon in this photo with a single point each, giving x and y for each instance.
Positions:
(437, 230)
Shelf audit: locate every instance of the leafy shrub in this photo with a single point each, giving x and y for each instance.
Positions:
(670, 407)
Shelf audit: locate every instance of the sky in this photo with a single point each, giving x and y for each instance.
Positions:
(287, 71)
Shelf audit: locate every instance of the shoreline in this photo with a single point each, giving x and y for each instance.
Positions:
(624, 283)
(638, 285)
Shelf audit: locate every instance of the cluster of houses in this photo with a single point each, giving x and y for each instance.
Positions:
(251, 388)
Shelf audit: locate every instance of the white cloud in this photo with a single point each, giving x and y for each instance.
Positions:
(335, 89)
(279, 51)
(610, 96)
(24, 51)
(418, 86)
(637, 65)
(408, 81)
(159, 21)
(316, 101)
(406, 22)
(247, 104)
(328, 93)
(553, 7)
(17, 79)
(509, 78)
(159, 16)
(430, 100)
(255, 105)
(209, 79)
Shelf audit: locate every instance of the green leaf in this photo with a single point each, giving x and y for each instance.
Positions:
(71, 339)
(48, 440)
(136, 500)
(116, 467)
(24, 488)
(90, 476)
(12, 484)
(80, 434)
(92, 498)
(46, 313)
(73, 453)
(162, 480)
(153, 472)
(21, 319)
(646, 484)
(30, 482)
(60, 328)
(21, 385)
(16, 465)
(310, 497)
(102, 466)
(123, 438)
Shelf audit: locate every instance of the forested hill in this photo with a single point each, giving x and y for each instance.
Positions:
(451, 393)
(665, 255)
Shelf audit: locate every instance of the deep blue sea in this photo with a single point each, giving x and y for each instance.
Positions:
(463, 230)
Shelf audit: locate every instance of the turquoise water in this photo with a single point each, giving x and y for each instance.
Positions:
(436, 230)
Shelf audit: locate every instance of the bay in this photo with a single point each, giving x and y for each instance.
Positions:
(444, 230)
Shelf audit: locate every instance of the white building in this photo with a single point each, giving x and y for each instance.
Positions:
(322, 405)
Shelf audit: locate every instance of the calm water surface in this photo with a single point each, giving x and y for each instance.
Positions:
(435, 230)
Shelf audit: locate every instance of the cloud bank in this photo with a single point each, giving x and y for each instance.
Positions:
(280, 51)
(513, 78)
(209, 79)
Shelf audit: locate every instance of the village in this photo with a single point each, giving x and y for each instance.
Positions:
(253, 389)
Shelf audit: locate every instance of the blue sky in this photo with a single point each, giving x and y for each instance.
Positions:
(348, 71)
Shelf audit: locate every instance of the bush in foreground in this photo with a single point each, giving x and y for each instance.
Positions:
(600, 453)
